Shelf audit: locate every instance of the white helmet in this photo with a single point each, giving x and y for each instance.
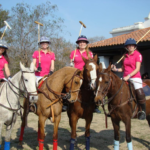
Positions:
(3, 44)
(44, 39)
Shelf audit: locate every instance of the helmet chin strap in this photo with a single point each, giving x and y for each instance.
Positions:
(128, 50)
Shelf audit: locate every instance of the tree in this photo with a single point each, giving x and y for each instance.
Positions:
(4, 15)
(96, 39)
(62, 50)
(23, 38)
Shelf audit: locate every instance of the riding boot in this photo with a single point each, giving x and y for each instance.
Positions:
(97, 110)
(141, 101)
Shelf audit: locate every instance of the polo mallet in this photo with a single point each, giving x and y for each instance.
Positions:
(39, 24)
(136, 43)
(7, 26)
(82, 25)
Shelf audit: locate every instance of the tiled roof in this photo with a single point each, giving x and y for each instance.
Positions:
(118, 40)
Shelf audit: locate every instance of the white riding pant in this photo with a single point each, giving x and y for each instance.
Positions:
(137, 83)
(37, 79)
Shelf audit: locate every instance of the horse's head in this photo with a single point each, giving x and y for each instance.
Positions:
(73, 84)
(29, 82)
(103, 83)
(90, 71)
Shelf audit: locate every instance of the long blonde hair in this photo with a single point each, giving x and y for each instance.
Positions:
(48, 49)
(87, 51)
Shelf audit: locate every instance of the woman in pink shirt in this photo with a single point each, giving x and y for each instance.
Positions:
(76, 57)
(131, 71)
(47, 58)
(4, 60)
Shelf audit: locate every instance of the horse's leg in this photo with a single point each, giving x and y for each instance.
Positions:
(42, 120)
(87, 131)
(8, 133)
(24, 122)
(73, 124)
(55, 134)
(128, 133)
(116, 126)
(1, 124)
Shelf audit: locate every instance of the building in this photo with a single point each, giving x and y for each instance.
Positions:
(111, 50)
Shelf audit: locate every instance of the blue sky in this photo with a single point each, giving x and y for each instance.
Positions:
(100, 16)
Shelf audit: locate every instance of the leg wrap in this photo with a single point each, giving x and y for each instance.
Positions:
(41, 144)
(54, 144)
(0, 146)
(38, 134)
(7, 146)
(130, 146)
(87, 143)
(21, 134)
(116, 145)
(72, 141)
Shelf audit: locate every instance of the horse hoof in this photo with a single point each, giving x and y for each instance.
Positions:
(19, 146)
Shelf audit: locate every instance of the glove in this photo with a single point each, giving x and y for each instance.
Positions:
(39, 69)
(9, 77)
(71, 64)
(50, 73)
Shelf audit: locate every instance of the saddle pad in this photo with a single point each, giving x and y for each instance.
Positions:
(146, 89)
(41, 82)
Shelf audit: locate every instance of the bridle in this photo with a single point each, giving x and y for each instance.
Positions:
(63, 95)
(20, 93)
(105, 90)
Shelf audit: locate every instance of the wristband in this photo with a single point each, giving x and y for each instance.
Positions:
(117, 70)
(129, 75)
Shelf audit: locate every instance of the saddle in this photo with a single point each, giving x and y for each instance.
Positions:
(42, 81)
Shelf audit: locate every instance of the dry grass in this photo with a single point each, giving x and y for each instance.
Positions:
(101, 138)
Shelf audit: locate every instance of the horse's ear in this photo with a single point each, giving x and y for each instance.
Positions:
(84, 59)
(109, 68)
(22, 66)
(95, 58)
(100, 67)
(80, 73)
(32, 66)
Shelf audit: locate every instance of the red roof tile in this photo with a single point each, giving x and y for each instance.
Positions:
(118, 40)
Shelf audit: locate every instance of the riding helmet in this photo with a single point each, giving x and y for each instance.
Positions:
(130, 41)
(44, 39)
(3, 44)
(82, 38)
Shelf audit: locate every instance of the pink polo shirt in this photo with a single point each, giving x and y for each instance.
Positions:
(3, 61)
(45, 62)
(129, 64)
(78, 61)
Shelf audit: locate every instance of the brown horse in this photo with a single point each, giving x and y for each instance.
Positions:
(85, 105)
(121, 105)
(67, 78)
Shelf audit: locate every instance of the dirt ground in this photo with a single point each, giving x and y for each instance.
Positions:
(101, 138)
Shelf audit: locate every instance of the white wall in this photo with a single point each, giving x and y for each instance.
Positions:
(104, 60)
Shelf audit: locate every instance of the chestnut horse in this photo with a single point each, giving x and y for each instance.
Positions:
(67, 78)
(121, 105)
(85, 105)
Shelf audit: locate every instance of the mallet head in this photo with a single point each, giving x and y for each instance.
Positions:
(82, 24)
(7, 24)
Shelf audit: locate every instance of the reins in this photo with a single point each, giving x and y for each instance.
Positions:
(59, 95)
(9, 83)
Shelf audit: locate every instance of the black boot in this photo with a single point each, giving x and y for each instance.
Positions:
(97, 110)
(141, 101)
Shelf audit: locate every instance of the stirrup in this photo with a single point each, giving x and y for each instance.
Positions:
(141, 115)
(64, 108)
(32, 105)
(97, 110)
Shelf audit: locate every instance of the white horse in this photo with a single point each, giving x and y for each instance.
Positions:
(22, 82)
